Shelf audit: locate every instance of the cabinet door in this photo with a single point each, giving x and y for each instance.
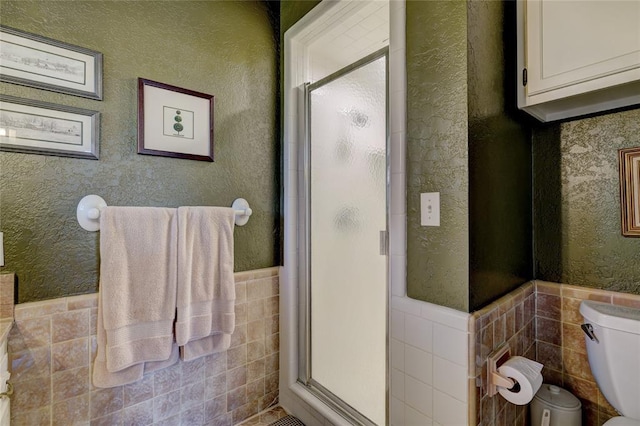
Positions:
(5, 405)
(572, 41)
(5, 412)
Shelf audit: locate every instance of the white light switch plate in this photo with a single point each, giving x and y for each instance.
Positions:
(430, 209)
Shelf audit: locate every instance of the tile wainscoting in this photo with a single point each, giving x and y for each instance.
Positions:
(510, 320)
(52, 346)
(541, 321)
(7, 284)
(429, 364)
(561, 345)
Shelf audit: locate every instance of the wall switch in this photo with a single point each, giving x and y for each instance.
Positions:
(430, 209)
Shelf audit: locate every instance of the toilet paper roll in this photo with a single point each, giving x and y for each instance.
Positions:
(527, 375)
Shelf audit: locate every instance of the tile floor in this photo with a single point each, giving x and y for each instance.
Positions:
(265, 418)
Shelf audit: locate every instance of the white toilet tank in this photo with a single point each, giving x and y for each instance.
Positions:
(614, 353)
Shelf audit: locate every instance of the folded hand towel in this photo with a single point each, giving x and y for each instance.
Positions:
(137, 295)
(206, 286)
(195, 349)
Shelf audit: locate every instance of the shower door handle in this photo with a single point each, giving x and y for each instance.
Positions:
(384, 243)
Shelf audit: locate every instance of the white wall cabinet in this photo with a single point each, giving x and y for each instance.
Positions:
(5, 413)
(577, 57)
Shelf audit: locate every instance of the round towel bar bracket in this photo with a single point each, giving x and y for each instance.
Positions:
(88, 212)
(243, 211)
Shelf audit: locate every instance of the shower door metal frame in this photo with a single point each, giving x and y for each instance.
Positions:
(304, 295)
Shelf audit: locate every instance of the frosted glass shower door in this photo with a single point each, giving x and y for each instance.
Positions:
(347, 166)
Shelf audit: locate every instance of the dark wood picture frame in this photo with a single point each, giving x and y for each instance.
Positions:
(629, 159)
(174, 122)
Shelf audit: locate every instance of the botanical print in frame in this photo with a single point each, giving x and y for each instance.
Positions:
(630, 191)
(174, 122)
(36, 127)
(36, 61)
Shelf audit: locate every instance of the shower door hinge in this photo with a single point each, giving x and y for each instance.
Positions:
(384, 243)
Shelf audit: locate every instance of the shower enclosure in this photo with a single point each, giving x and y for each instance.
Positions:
(343, 294)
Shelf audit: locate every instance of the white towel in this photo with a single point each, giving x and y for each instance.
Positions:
(206, 287)
(137, 295)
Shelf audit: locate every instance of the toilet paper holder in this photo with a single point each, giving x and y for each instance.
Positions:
(495, 379)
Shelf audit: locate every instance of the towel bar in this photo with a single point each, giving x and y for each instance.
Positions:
(88, 212)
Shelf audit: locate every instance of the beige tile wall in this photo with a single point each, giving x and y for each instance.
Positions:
(7, 282)
(561, 344)
(509, 320)
(541, 321)
(52, 345)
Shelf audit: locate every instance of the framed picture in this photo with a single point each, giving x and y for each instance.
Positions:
(32, 60)
(174, 122)
(42, 128)
(630, 191)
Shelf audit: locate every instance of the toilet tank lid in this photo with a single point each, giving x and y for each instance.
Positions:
(611, 316)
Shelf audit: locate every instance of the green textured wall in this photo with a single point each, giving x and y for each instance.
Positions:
(291, 11)
(577, 203)
(437, 155)
(225, 48)
(500, 183)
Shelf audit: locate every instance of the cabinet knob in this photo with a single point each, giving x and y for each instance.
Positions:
(8, 392)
